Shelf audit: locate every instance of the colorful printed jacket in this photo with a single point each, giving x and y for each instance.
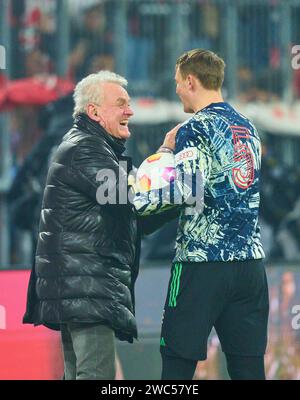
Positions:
(218, 155)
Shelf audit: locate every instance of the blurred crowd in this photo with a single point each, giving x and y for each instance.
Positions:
(36, 129)
(148, 41)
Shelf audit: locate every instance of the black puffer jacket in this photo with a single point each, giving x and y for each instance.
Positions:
(87, 254)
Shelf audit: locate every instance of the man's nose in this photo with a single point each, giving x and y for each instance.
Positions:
(129, 112)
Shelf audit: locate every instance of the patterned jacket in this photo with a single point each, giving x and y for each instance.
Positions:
(217, 159)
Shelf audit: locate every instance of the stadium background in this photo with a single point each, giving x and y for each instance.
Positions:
(46, 47)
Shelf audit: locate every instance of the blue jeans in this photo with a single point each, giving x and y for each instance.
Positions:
(89, 351)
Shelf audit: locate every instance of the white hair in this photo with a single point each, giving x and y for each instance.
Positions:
(89, 89)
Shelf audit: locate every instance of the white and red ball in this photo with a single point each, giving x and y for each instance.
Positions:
(156, 172)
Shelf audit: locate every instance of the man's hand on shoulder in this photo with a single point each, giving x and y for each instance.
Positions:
(169, 141)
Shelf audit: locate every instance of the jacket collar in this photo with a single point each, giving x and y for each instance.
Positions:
(88, 125)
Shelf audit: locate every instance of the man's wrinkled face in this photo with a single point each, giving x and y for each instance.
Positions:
(183, 92)
(114, 110)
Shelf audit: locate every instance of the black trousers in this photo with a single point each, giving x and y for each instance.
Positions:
(239, 367)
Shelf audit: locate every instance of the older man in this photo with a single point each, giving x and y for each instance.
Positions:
(88, 246)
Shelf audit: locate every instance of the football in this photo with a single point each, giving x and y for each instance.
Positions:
(156, 172)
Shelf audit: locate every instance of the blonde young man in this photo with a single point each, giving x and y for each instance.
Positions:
(217, 277)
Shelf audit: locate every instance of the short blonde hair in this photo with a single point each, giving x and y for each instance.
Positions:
(205, 65)
(89, 89)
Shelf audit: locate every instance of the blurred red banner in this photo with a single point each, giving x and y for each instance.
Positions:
(26, 352)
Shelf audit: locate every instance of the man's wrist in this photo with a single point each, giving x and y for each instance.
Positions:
(165, 149)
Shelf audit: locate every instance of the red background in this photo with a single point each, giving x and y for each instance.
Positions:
(26, 352)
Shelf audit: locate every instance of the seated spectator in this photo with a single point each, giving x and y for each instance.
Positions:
(36, 63)
(101, 62)
(25, 195)
(296, 83)
(288, 237)
(89, 41)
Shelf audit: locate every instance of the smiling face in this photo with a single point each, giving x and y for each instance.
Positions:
(114, 110)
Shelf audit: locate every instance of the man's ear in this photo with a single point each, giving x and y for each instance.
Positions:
(92, 112)
(191, 81)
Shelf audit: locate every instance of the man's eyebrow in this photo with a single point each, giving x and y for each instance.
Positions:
(122, 100)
